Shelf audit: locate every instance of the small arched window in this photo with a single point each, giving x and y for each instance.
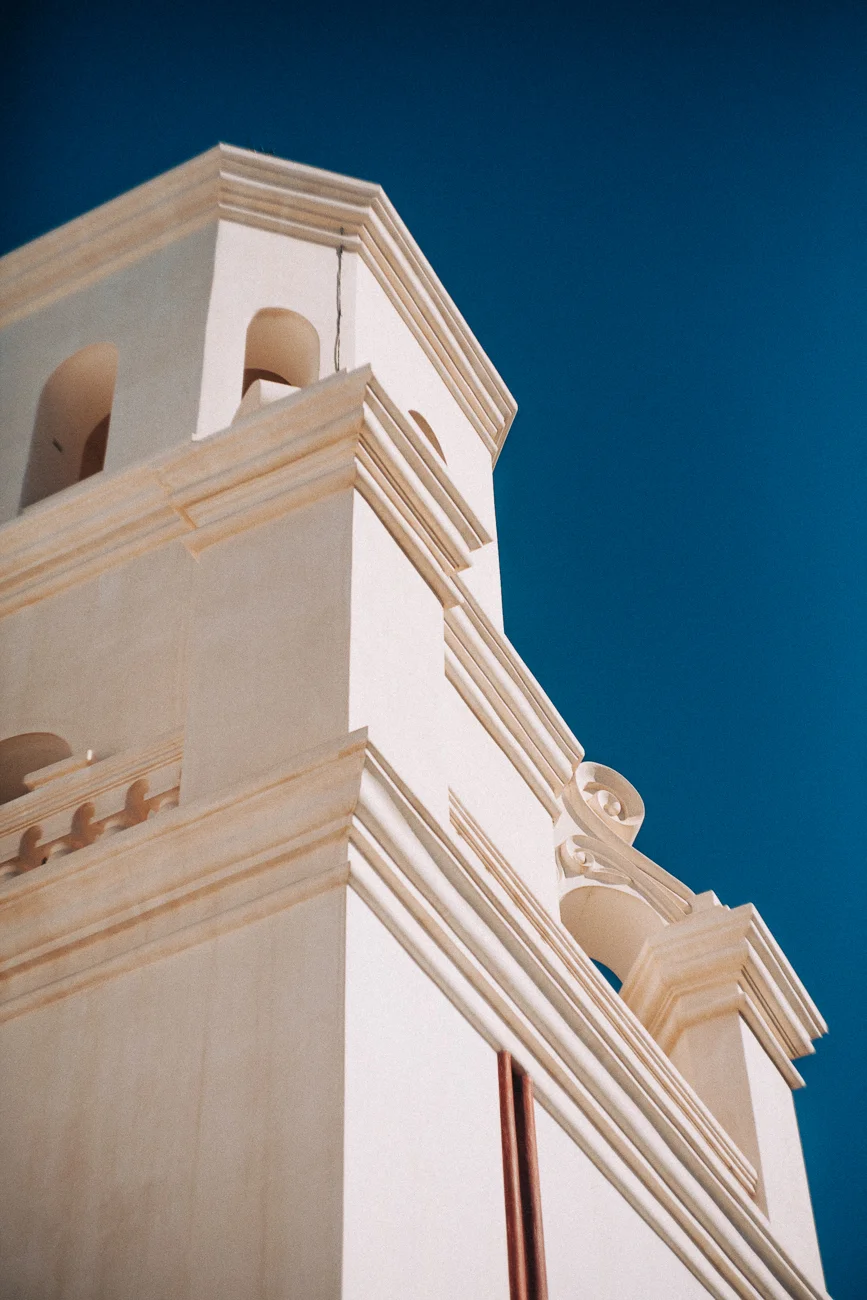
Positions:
(282, 347)
(21, 755)
(72, 422)
(428, 433)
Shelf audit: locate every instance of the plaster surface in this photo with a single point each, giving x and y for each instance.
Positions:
(116, 676)
(176, 1132)
(314, 845)
(269, 646)
(423, 1194)
(154, 312)
(595, 1245)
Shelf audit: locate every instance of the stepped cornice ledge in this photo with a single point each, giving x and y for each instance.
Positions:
(252, 189)
(341, 433)
(496, 685)
(340, 817)
(720, 960)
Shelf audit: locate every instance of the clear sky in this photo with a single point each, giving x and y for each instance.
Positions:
(654, 217)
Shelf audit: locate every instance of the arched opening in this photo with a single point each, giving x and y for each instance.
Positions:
(610, 923)
(21, 755)
(282, 347)
(70, 434)
(428, 433)
(608, 975)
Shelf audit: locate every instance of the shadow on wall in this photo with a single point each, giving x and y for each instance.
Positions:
(611, 925)
(429, 434)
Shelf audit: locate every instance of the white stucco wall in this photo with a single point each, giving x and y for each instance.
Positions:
(596, 1246)
(255, 269)
(781, 1160)
(397, 687)
(103, 663)
(269, 646)
(175, 1133)
(424, 1209)
(492, 789)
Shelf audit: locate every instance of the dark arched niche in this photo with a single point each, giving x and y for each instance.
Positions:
(21, 755)
(72, 423)
(282, 347)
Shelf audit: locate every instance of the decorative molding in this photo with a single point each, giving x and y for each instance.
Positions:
(230, 184)
(604, 804)
(499, 689)
(500, 881)
(602, 814)
(706, 960)
(718, 961)
(585, 860)
(64, 767)
(211, 866)
(489, 964)
(341, 433)
(82, 532)
(86, 802)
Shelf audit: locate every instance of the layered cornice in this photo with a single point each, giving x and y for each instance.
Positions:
(496, 685)
(341, 817)
(341, 433)
(717, 961)
(230, 184)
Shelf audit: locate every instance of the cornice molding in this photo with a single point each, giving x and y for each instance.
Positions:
(706, 960)
(498, 688)
(340, 816)
(717, 961)
(252, 189)
(344, 432)
(503, 887)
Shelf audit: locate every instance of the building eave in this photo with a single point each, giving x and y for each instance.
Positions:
(252, 189)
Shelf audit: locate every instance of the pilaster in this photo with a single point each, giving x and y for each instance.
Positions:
(719, 996)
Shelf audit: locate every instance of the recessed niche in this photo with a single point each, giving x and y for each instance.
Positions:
(282, 347)
(26, 753)
(70, 434)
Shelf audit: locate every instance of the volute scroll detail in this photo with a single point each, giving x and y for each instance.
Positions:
(604, 803)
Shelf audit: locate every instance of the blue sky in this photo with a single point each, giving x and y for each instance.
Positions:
(654, 217)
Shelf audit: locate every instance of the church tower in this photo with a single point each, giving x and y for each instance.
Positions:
(302, 876)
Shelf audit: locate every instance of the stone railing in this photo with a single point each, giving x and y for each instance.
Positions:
(80, 801)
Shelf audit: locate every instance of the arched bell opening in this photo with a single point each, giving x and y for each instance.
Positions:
(71, 430)
(282, 347)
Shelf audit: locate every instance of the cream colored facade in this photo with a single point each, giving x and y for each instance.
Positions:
(293, 844)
